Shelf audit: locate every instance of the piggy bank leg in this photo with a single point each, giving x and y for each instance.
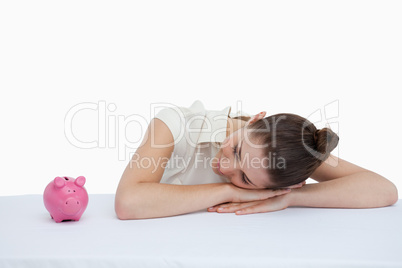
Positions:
(77, 218)
(57, 219)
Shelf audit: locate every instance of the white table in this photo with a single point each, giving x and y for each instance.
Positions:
(294, 237)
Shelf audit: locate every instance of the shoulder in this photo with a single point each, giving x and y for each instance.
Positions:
(175, 117)
(195, 123)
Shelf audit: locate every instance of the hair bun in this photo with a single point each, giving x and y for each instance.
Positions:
(326, 140)
(315, 136)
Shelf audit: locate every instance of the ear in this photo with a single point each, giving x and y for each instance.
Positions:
(255, 118)
(59, 182)
(80, 181)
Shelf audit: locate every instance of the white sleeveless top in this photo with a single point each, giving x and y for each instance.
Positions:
(197, 135)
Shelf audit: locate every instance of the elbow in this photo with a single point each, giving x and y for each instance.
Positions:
(393, 195)
(120, 210)
(389, 194)
(124, 208)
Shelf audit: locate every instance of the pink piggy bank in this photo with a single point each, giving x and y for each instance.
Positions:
(66, 198)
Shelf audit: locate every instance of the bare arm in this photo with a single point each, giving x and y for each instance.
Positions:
(345, 185)
(341, 185)
(141, 195)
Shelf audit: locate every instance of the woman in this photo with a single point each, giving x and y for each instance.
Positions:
(193, 159)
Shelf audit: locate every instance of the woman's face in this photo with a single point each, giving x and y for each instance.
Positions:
(242, 161)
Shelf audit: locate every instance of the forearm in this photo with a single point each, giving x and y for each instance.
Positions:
(151, 200)
(360, 190)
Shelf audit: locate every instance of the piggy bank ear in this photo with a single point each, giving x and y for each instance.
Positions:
(59, 182)
(80, 181)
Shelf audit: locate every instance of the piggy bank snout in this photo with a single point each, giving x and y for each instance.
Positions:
(71, 206)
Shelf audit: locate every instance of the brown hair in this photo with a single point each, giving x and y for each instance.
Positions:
(294, 140)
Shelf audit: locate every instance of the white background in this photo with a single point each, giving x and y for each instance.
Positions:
(283, 56)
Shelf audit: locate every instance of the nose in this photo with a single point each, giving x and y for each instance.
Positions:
(72, 206)
(226, 164)
(225, 140)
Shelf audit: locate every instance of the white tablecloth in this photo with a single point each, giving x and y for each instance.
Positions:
(294, 237)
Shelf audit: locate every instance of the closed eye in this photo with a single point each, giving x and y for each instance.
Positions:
(243, 178)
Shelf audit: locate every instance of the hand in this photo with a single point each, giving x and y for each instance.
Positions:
(268, 205)
(275, 203)
(240, 195)
(299, 185)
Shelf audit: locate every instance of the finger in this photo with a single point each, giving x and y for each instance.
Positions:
(294, 186)
(273, 193)
(267, 206)
(301, 184)
(212, 209)
(251, 210)
(236, 207)
(215, 208)
(228, 205)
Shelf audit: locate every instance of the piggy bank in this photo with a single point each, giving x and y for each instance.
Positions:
(66, 198)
